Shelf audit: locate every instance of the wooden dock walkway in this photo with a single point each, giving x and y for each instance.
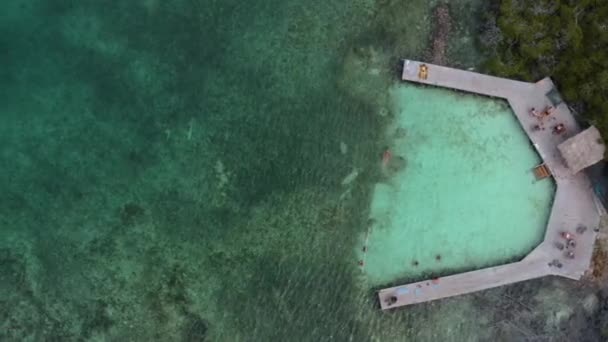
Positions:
(463, 283)
(574, 205)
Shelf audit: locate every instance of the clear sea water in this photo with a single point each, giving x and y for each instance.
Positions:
(173, 170)
(466, 197)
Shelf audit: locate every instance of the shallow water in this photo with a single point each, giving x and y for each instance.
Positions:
(466, 196)
(173, 170)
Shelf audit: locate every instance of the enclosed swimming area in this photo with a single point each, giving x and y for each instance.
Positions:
(465, 196)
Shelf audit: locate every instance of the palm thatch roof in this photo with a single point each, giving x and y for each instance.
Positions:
(583, 149)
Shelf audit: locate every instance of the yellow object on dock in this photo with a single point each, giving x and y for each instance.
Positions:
(542, 171)
(423, 72)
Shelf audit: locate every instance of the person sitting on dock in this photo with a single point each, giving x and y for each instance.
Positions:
(423, 72)
(548, 111)
(535, 113)
(559, 128)
(570, 255)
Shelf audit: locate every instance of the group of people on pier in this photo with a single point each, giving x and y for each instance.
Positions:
(557, 129)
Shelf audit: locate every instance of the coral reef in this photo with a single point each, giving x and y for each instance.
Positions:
(365, 75)
(172, 171)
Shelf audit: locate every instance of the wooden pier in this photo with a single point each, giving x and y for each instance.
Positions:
(574, 205)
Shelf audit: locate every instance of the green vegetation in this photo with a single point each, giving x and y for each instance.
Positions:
(566, 40)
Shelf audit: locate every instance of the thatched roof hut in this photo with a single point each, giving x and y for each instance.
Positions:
(583, 149)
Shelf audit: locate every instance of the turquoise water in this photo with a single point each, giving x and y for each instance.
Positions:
(467, 196)
(176, 170)
(171, 170)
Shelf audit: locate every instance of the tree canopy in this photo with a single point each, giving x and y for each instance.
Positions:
(564, 39)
